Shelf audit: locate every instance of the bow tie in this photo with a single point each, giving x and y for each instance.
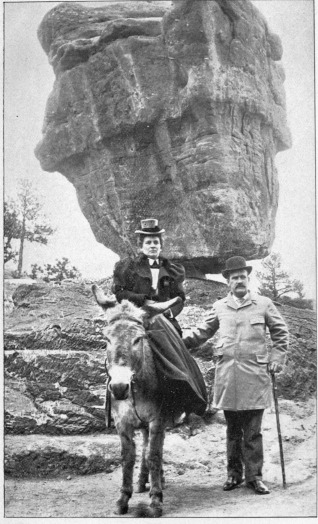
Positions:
(155, 265)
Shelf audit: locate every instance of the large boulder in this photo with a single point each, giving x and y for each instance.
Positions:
(173, 110)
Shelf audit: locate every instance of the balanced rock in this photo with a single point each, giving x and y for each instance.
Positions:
(168, 109)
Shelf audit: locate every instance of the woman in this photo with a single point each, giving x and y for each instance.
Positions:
(151, 276)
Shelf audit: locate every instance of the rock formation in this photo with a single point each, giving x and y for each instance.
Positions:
(54, 357)
(168, 109)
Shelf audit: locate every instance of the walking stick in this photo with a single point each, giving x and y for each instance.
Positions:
(108, 407)
(278, 428)
(108, 401)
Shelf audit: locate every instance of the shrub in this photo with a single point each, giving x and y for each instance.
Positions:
(60, 271)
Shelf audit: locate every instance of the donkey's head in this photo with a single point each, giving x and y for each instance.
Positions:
(125, 338)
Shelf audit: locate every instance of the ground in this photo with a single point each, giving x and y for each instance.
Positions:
(194, 460)
(194, 457)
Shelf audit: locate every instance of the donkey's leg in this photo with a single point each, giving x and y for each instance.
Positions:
(156, 437)
(144, 471)
(162, 476)
(128, 456)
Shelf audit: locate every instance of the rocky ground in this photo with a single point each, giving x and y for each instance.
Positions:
(194, 469)
(66, 464)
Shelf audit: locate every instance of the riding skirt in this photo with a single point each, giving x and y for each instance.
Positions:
(181, 380)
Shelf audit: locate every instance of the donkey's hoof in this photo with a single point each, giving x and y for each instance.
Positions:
(121, 508)
(156, 509)
(145, 511)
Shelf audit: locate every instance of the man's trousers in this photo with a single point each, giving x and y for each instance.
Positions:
(244, 444)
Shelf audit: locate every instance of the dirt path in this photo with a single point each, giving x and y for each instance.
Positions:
(195, 469)
(189, 495)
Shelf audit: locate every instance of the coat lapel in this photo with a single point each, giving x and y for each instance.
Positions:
(248, 300)
(231, 302)
(163, 270)
(143, 267)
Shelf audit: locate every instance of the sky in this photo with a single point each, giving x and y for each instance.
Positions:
(28, 81)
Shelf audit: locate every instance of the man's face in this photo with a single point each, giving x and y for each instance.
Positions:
(238, 282)
(151, 246)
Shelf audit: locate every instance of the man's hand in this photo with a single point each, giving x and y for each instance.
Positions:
(274, 367)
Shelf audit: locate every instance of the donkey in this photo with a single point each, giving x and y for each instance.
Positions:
(136, 398)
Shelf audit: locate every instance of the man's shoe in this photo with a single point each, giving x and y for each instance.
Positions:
(231, 483)
(258, 486)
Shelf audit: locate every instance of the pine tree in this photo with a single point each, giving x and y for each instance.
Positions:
(277, 284)
(24, 221)
(12, 230)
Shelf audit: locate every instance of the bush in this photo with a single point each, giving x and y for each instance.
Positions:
(60, 271)
(15, 274)
(301, 303)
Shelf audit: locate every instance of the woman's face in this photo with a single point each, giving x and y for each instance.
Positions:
(151, 246)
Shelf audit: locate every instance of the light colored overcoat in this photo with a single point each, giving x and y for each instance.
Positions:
(242, 380)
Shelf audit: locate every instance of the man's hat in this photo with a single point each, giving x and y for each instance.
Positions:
(149, 226)
(235, 264)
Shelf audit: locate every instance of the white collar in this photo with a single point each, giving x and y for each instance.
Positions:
(239, 300)
(152, 261)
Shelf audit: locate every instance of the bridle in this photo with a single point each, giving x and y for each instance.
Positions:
(132, 383)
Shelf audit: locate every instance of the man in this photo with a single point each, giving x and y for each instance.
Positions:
(150, 276)
(242, 380)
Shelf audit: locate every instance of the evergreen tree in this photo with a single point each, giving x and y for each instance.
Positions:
(24, 221)
(12, 230)
(277, 284)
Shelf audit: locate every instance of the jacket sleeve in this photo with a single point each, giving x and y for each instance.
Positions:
(123, 283)
(278, 332)
(177, 272)
(204, 331)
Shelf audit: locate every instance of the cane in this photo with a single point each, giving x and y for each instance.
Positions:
(108, 400)
(278, 428)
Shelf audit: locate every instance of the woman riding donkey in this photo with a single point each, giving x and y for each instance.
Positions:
(150, 278)
(152, 378)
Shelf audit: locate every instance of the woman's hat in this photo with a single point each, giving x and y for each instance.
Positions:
(235, 264)
(149, 226)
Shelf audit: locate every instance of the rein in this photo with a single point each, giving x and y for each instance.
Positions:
(145, 422)
(132, 383)
(126, 317)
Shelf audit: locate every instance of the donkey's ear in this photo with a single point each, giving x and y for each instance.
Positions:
(101, 298)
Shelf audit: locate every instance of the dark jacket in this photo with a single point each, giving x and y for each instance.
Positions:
(181, 380)
(132, 281)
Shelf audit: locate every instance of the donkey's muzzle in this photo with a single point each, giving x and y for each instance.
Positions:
(119, 390)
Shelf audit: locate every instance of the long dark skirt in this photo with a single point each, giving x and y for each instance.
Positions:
(180, 377)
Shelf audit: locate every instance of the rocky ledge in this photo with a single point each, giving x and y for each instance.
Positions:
(54, 356)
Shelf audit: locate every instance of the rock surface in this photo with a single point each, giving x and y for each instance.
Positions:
(54, 356)
(44, 456)
(168, 109)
